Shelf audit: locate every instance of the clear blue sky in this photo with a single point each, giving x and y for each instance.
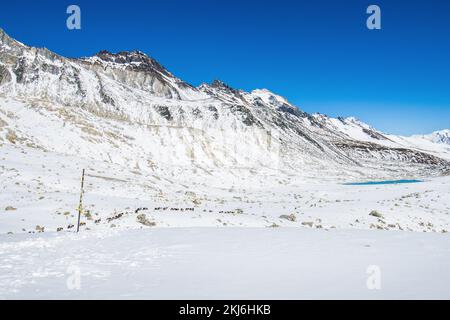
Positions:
(319, 54)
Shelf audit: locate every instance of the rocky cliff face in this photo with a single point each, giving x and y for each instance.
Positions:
(126, 107)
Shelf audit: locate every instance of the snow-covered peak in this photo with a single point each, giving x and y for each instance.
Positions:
(3, 36)
(222, 91)
(442, 136)
(138, 70)
(357, 122)
(222, 86)
(269, 97)
(8, 42)
(276, 102)
(353, 120)
(123, 56)
(134, 60)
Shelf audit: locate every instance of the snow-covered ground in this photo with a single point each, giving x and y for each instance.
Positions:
(249, 235)
(226, 263)
(41, 190)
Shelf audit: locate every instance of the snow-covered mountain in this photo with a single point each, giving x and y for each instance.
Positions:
(127, 109)
(442, 136)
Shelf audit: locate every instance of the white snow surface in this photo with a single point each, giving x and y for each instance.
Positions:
(232, 263)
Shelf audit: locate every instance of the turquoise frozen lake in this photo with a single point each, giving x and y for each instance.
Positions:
(369, 183)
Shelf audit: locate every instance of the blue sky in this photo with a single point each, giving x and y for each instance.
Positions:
(319, 54)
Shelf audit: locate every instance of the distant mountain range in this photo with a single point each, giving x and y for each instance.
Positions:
(127, 108)
(442, 136)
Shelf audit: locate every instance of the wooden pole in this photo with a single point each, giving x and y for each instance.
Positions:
(80, 205)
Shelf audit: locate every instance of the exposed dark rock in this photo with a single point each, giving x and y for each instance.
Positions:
(374, 134)
(247, 117)
(50, 69)
(197, 113)
(223, 86)
(290, 217)
(5, 76)
(20, 70)
(164, 112)
(135, 60)
(105, 97)
(214, 112)
(292, 110)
